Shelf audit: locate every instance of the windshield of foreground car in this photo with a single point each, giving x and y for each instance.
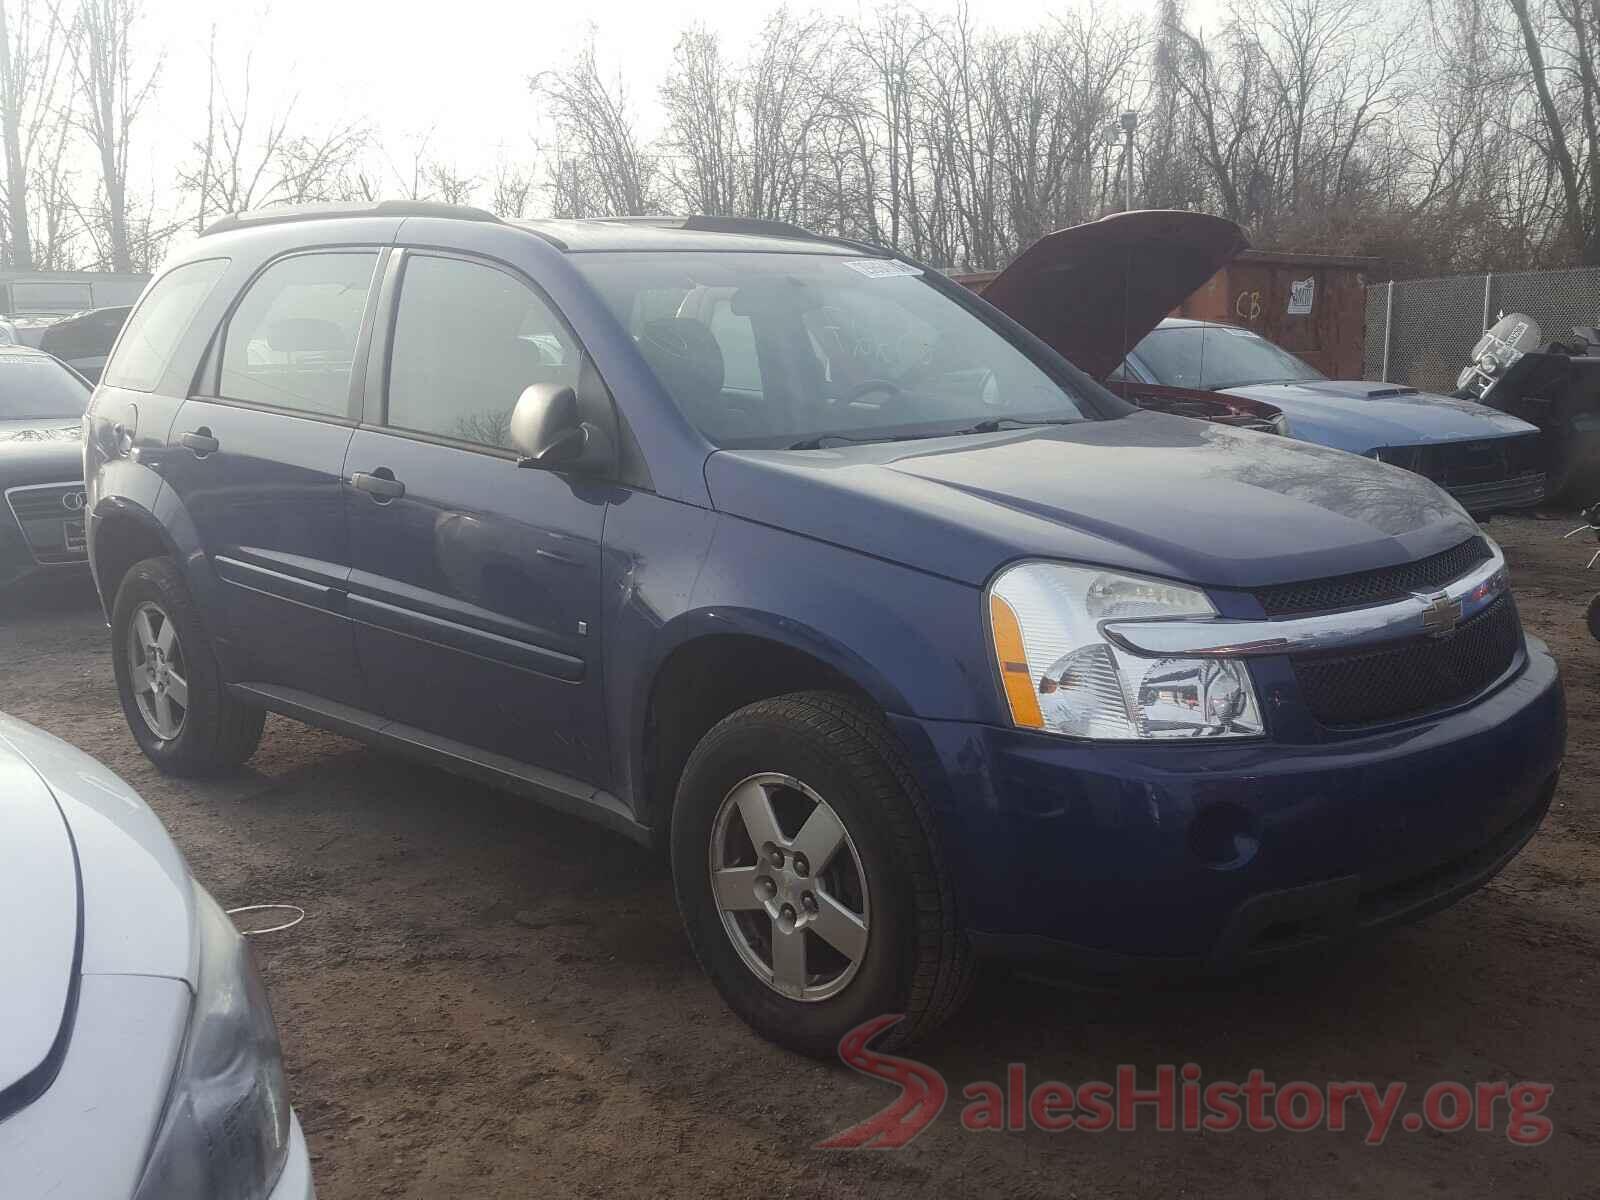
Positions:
(37, 387)
(1212, 357)
(791, 349)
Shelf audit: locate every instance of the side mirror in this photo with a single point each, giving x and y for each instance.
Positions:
(545, 427)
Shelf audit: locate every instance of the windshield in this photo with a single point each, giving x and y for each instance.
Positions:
(1211, 357)
(37, 387)
(787, 349)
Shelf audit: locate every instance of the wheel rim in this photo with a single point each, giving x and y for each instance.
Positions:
(157, 671)
(789, 886)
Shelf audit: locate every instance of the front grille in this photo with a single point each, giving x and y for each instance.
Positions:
(1374, 587)
(1413, 677)
(54, 532)
(34, 503)
(1466, 464)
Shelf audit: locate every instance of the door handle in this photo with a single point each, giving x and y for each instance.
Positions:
(201, 442)
(380, 484)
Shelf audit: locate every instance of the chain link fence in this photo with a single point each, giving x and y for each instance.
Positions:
(1421, 331)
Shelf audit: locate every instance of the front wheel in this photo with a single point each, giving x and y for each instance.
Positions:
(171, 688)
(808, 876)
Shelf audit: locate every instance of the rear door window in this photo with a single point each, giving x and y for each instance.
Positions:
(292, 340)
(159, 323)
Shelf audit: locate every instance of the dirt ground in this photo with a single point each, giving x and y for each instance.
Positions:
(490, 1000)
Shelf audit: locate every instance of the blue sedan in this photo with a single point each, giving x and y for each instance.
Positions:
(1488, 460)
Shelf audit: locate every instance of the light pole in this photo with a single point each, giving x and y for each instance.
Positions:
(1130, 122)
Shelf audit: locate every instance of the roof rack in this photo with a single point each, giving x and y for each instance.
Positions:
(754, 226)
(279, 214)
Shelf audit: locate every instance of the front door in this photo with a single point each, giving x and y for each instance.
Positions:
(258, 462)
(476, 583)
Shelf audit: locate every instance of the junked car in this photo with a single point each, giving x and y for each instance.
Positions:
(1101, 293)
(1555, 385)
(138, 1056)
(909, 641)
(41, 465)
(84, 340)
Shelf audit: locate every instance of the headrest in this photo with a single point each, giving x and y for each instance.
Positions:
(306, 335)
(685, 357)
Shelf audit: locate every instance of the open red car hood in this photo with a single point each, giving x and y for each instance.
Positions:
(1094, 290)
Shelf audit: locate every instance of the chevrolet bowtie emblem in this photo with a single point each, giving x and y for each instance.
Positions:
(1440, 615)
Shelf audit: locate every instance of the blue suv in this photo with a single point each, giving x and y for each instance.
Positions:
(908, 640)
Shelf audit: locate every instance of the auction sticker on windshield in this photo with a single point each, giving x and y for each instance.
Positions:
(881, 268)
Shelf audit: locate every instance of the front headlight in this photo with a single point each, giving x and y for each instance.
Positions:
(1062, 676)
(225, 1132)
(1280, 425)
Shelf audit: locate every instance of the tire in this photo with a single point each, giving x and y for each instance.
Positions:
(817, 752)
(156, 634)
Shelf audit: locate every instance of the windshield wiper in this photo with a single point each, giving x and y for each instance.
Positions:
(992, 425)
(821, 440)
(996, 424)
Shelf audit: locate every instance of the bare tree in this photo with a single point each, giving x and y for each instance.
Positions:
(511, 190)
(53, 229)
(112, 90)
(701, 98)
(31, 60)
(1568, 109)
(446, 183)
(606, 168)
(324, 166)
(238, 155)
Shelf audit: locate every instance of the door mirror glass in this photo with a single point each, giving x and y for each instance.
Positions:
(545, 427)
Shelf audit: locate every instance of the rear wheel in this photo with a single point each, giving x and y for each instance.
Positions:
(808, 876)
(171, 689)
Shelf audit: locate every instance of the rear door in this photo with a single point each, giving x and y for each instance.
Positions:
(476, 583)
(257, 461)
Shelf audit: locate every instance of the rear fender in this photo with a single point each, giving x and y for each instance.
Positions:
(125, 494)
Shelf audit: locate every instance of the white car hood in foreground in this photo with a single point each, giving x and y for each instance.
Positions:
(90, 885)
(39, 935)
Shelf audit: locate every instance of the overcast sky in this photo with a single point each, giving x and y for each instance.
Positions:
(457, 72)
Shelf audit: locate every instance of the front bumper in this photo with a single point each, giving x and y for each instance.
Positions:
(1502, 495)
(295, 1182)
(1120, 857)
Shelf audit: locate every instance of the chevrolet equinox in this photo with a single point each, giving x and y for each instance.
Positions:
(909, 641)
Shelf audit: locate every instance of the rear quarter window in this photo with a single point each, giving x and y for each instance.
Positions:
(158, 324)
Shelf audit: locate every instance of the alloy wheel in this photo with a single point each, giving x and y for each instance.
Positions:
(157, 671)
(789, 887)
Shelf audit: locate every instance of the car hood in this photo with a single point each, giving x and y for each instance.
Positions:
(1093, 291)
(27, 444)
(1361, 415)
(1147, 492)
(103, 890)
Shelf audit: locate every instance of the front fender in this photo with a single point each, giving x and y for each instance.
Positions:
(713, 620)
(912, 642)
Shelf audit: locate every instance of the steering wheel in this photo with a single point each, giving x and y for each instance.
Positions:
(867, 386)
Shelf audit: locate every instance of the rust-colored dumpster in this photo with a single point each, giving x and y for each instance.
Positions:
(1314, 305)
